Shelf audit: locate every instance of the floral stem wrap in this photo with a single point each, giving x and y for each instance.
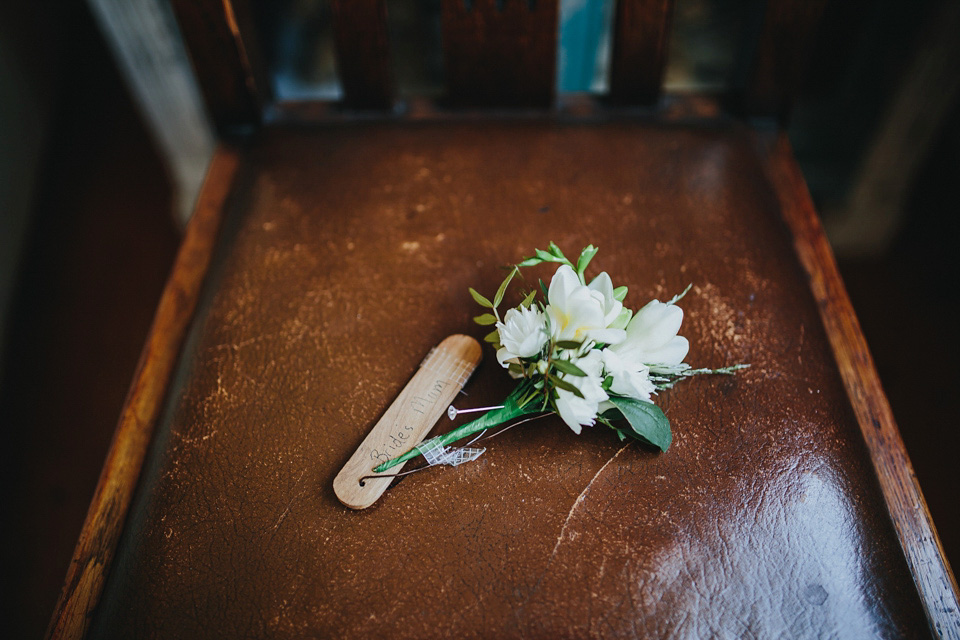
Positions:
(510, 411)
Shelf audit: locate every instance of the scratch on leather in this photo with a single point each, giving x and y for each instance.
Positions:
(579, 500)
(290, 504)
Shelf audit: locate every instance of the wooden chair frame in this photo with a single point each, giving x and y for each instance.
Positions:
(231, 74)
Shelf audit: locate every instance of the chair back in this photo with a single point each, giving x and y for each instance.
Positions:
(497, 53)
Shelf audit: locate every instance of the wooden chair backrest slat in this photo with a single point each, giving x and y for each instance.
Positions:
(497, 53)
(363, 53)
(641, 33)
(226, 59)
(780, 58)
(500, 56)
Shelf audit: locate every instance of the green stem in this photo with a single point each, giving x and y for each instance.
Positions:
(510, 411)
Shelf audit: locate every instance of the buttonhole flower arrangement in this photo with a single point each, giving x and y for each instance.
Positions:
(578, 352)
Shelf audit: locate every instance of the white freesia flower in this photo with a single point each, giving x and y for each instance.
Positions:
(652, 338)
(522, 334)
(576, 411)
(629, 379)
(578, 312)
(601, 287)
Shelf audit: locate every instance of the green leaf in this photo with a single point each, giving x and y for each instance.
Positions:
(647, 422)
(483, 302)
(530, 296)
(602, 419)
(620, 293)
(566, 386)
(497, 299)
(555, 250)
(515, 368)
(565, 366)
(529, 262)
(493, 336)
(569, 344)
(549, 257)
(585, 257)
(527, 399)
(485, 319)
(543, 287)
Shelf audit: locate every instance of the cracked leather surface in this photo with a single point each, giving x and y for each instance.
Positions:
(348, 256)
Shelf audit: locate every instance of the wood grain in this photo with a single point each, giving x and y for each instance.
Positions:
(409, 419)
(780, 59)
(641, 31)
(101, 530)
(908, 509)
(503, 57)
(363, 53)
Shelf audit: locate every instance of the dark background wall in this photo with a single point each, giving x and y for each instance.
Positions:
(98, 241)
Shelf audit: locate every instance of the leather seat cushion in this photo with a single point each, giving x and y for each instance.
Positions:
(347, 255)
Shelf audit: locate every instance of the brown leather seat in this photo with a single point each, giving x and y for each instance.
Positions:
(349, 256)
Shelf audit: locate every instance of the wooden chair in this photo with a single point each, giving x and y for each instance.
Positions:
(329, 252)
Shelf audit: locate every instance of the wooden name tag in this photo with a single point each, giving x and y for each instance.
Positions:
(409, 419)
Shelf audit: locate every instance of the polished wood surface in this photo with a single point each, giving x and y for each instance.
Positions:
(104, 523)
(908, 509)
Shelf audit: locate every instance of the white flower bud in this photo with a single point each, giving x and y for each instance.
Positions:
(522, 334)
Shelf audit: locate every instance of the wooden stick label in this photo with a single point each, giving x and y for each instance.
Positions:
(409, 419)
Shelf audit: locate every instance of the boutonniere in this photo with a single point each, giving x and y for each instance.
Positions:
(578, 352)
